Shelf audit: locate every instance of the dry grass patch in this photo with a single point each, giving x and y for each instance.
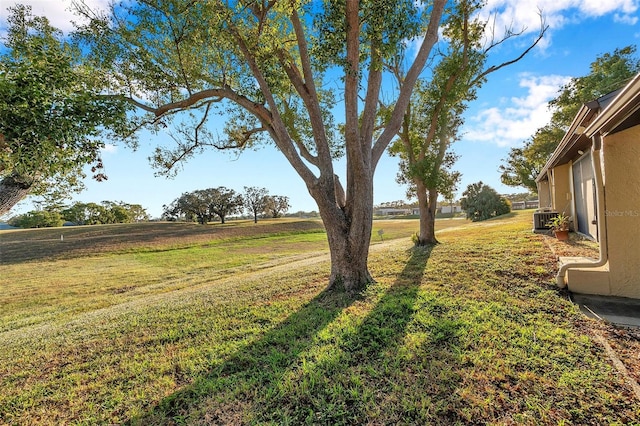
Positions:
(577, 245)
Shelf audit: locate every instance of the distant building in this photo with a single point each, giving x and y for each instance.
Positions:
(522, 205)
(448, 209)
(391, 212)
(415, 211)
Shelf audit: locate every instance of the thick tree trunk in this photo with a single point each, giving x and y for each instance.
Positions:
(12, 191)
(427, 200)
(349, 257)
(349, 235)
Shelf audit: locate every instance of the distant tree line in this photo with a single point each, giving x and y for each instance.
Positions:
(104, 213)
(81, 214)
(206, 205)
(521, 196)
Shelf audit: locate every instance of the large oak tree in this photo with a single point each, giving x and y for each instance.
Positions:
(267, 67)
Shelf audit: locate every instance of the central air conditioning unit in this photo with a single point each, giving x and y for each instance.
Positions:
(540, 220)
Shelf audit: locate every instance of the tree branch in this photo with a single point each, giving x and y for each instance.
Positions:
(352, 71)
(431, 37)
(543, 29)
(276, 125)
(317, 123)
(214, 95)
(372, 97)
(311, 103)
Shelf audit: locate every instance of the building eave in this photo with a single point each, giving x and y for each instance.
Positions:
(574, 139)
(625, 105)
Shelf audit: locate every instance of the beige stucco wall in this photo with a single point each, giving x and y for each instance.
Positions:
(622, 202)
(561, 193)
(544, 194)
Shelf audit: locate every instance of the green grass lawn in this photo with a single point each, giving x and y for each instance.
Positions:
(236, 328)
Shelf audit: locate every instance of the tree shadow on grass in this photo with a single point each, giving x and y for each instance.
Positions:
(232, 385)
(362, 371)
(287, 377)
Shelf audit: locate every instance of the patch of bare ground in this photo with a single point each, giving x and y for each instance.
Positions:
(622, 347)
(626, 343)
(231, 413)
(577, 245)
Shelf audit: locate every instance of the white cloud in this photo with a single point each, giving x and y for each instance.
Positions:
(109, 149)
(540, 89)
(57, 11)
(524, 15)
(599, 7)
(509, 126)
(625, 19)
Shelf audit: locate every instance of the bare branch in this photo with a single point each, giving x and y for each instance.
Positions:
(543, 29)
(190, 140)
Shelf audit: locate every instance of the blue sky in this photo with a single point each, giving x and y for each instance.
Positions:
(509, 108)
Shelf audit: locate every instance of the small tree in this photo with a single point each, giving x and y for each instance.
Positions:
(434, 116)
(224, 201)
(276, 205)
(255, 200)
(482, 202)
(524, 164)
